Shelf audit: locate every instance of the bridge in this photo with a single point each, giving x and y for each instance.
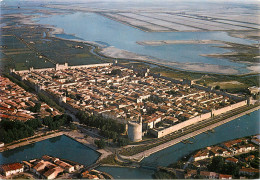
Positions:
(92, 166)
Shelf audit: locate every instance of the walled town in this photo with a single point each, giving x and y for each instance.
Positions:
(48, 167)
(162, 105)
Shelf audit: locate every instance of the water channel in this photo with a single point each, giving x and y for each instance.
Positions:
(67, 148)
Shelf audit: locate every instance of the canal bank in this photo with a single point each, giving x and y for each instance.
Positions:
(246, 125)
(67, 148)
(30, 140)
(148, 152)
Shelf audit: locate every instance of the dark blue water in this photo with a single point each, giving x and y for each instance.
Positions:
(62, 147)
(241, 127)
(128, 173)
(67, 148)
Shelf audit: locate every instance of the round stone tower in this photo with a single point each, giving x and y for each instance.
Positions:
(134, 131)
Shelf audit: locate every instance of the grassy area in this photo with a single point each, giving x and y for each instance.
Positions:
(109, 160)
(242, 52)
(226, 82)
(26, 46)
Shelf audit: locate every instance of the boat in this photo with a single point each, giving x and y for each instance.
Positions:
(212, 130)
(190, 142)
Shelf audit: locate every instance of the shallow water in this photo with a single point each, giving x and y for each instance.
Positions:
(94, 27)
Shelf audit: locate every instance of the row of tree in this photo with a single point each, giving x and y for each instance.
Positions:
(218, 165)
(14, 130)
(19, 83)
(49, 101)
(109, 128)
(56, 122)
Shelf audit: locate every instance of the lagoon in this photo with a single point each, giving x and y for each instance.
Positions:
(96, 28)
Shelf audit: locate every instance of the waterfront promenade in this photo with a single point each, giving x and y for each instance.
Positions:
(89, 142)
(146, 153)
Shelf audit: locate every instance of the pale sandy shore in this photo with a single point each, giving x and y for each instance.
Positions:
(255, 68)
(166, 42)
(113, 52)
(199, 67)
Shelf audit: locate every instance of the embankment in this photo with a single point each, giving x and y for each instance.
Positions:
(148, 152)
(30, 140)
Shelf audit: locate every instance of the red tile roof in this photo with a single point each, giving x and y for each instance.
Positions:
(10, 167)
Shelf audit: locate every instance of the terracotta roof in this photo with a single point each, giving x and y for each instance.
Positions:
(249, 170)
(225, 176)
(10, 167)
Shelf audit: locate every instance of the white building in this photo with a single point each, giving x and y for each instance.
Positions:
(9, 169)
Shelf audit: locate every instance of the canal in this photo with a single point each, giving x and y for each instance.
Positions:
(65, 147)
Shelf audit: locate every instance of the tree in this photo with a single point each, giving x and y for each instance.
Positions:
(100, 143)
(116, 72)
(123, 141)
(216, 164)
(73, 126)
(230, 168)
(217, 87)
(36, 108)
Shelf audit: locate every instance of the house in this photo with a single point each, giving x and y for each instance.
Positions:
(190, 173)
(9, 169)
(248, 171)
(2, 144)
(225, 176)
(256, 140)
(202, 154)
(219, 151)
(231, 160)
(69, 168)
(209, 175)
(150, 122)
(53, 173)
(41, 166)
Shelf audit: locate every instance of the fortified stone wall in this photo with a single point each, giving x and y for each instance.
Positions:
(196, 119)
(64, 66)
(90, 65)
(229, 108)
(181, 125)
(218, 92)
